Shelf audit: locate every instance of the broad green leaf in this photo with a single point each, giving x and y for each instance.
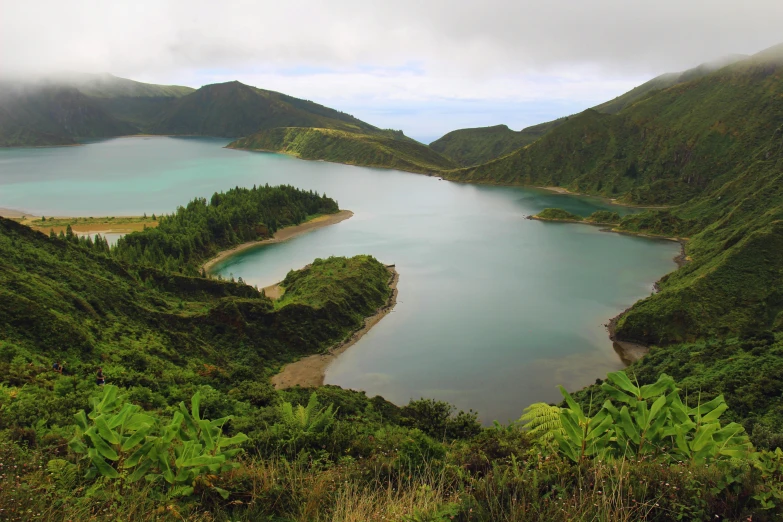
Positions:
(100, 445)
(571, 427)
(222, 492)
(103, 467)
(195, 403)
(121, 416)
(205, 460)
(135, 439)
(662, 385)
(81, 420)
(229, 441)
(707, 407)
(138, 421)
(191, 429)
(627, 426)
(573, 406)
(138, 455)
(206, 434)
(703, 436)
(616, 394)
(621, 380)
(77, 446)
(104, 431)
(140, 471)
(715, 413)
(109, 397)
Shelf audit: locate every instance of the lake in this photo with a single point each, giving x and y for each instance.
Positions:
(494, 310)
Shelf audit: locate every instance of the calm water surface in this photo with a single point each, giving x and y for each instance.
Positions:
(494, 310)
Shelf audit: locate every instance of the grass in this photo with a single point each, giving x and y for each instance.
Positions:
(353, 148)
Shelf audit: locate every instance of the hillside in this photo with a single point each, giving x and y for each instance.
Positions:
(154, 331)
(667, 148)
(187, 422)
(469, 147)
(64, 108)
(109, 86)
(347, 147)
(234, 109)
(38, 115)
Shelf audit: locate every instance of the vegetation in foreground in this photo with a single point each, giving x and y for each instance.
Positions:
(188, 426)
(369, 150)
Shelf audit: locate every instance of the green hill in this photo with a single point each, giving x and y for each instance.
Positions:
(665, 81)
(711, 149)
(109, 86)
(369, 150)
(234, 109)
(64, 108)
(467, 147)
(155, 330)
(37, 115)
(667, 148)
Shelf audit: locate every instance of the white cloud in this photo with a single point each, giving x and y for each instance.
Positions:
(384, 51)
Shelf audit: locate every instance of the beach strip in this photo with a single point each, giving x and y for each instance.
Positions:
(309, 372)
(281, 235)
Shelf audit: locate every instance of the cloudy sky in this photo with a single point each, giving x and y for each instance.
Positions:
(424, 66)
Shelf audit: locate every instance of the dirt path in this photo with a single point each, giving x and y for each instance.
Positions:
(309, 372)
(281, 235)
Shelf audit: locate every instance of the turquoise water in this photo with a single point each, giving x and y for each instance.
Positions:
(494, 310)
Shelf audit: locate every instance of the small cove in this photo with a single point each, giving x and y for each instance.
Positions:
(494, 310)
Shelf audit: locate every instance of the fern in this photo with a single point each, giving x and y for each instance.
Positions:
(542, 421)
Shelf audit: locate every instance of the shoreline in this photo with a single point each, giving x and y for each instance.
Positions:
(284, 234)
(630, 351)
(309, 372)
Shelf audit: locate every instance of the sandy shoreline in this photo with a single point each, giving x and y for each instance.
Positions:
(281, 235)
(309, 372)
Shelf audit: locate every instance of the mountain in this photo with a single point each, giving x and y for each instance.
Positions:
(234, 109)
(469, 147)
(664, 149)
(369, 150)
(64, 108)
(713, 148)
(109, 86)
(665, 81)
(39, 115)
(134, 102)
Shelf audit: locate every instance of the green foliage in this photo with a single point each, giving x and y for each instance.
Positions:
(161, 336)
(184, 240)
(770, 464)
(301, 425)
(353, 148)
(604, 216)
(651, 422)
(122, 442)
(557, 214)
(437, 419)
(542, 421)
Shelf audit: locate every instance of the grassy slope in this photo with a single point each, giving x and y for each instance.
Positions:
(667, 148)
(61, 301)
(44, 115)
(468, 147)
(369, 150)
(233, 109)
